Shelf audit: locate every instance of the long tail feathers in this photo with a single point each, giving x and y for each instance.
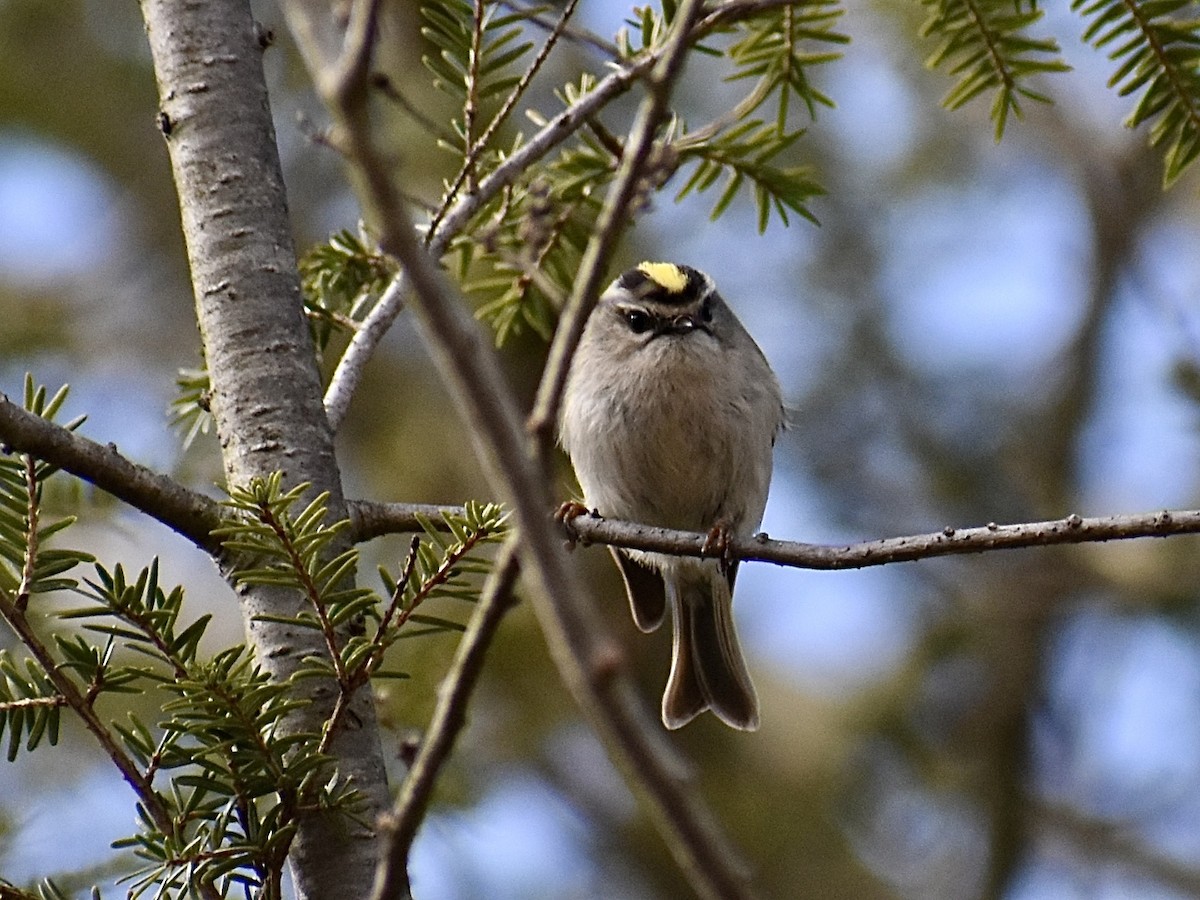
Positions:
(707, 667)
(647, 593)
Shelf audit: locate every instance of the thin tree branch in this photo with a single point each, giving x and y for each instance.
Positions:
(588, 659)
(185, 511)
(551, 135)
(610, 224)
(370, 520)
(194, 515)
(471, 106)
(348, 374)
(54, 701)
(308, 23)
(29, 566)
(475, 149)
(449, 718)
(350, 74)
(349, 371)
(949, 541)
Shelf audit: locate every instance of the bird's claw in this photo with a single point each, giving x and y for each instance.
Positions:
(719, 544)
(566, 515)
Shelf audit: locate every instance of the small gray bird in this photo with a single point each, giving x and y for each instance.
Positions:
(670, 414)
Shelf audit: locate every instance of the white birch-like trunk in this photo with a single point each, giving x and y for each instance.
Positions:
(266, 391)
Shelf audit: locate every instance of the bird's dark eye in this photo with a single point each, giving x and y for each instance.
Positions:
(706, 312)
(638, 321)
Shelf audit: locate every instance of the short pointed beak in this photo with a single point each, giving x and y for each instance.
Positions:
(684, 324)
(679, 325)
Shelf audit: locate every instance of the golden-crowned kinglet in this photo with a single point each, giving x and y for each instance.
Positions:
(669, 416)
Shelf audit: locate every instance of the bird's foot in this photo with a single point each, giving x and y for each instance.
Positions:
(719, 544)
(566, 515)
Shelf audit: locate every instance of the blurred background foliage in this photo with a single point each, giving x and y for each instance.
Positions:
(975, 332)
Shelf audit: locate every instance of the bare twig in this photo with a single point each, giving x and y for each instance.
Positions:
(449, 719)
(350, 368)
(24, 703)
(589, 661)
(397, 598)
(1072, 529)
(191, 514)
(551, 135)
(369, 520)
(194, 515)
(609, 225)
(349, 74)
(471, 106)
(449, 224)
(29, 565)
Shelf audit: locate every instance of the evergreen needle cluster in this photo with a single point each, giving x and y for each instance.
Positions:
(220, 772)
(987, 46)
(220, 776)
(1157, 43)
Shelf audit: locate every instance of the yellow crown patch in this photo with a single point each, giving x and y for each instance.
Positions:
(668, 276)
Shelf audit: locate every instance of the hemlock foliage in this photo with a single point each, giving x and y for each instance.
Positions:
(219, 776)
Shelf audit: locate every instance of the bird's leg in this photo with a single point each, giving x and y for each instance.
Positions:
(719, 544)
(566, 515)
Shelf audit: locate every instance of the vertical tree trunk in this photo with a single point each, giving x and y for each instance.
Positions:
(266, 391)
